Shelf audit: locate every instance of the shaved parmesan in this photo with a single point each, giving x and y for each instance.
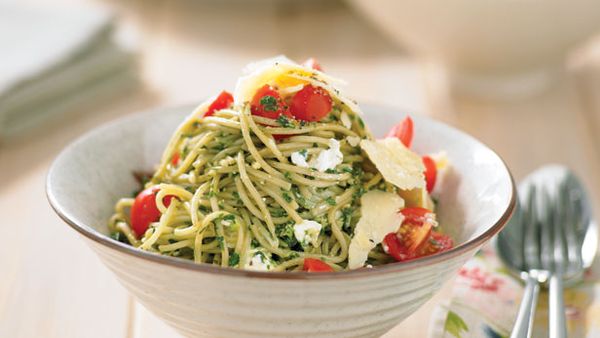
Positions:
(397, 164)
(418, 197)
(380, 215)
(291, 90)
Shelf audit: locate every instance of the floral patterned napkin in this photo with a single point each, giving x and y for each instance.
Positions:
(485, 300)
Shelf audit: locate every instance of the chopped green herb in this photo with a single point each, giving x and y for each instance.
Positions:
(330, 200)
(346, 217)
(348, 170)
(279, 213)
(287, 175)
(292, 255)
(269, 103)
(204, 208)
(221, 240)
(229, 217)
(331, 171)
(234, 259)
(285, 122)
(236, 195)
(359, 192)
(286, 197)
(303, 152)
(220, 146)
(286, 233)
(361, 122)
(263, 257)
(254, 243)
(315, 144)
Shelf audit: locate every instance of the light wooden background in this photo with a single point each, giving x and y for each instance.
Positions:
(51, 284)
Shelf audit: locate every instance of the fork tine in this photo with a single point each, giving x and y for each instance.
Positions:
(573, 222)
(561, 210)
(531, 238)
(547, 218)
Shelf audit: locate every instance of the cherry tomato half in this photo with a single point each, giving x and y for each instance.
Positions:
(224, 100)
(144, 210)
(408, 242)
(415, 215)
(393, 247)
(403, 131)
(437, 243)
(316, 265)
(411, 237)
(311, 104)
(312, 63)
(430, 173)
(268, 103)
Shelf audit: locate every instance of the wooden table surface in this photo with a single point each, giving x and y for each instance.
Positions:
(52, 285)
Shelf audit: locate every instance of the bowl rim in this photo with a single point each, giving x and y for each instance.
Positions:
(91, 234)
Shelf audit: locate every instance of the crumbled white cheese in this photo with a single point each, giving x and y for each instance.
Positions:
(396, 163)
(260, 261)
(299, 159)
(353, 140)
(227, 161)
(345, 119)
(328, 159)
(307, 232)
(380, 215)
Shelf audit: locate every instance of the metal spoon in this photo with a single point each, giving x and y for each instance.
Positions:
(551, 239)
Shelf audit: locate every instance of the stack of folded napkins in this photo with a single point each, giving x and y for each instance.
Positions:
(56, 60)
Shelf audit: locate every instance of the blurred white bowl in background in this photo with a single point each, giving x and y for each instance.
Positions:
(493, 48)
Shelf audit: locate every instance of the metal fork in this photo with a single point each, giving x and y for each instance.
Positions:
(562, 249)
(552, 239)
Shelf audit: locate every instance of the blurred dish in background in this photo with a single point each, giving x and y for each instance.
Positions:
(56, 60)
(499, 49)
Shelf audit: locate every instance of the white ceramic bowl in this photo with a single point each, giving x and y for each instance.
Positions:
(476, 200)
(493, 48)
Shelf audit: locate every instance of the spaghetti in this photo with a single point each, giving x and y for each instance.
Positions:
(238, 188)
